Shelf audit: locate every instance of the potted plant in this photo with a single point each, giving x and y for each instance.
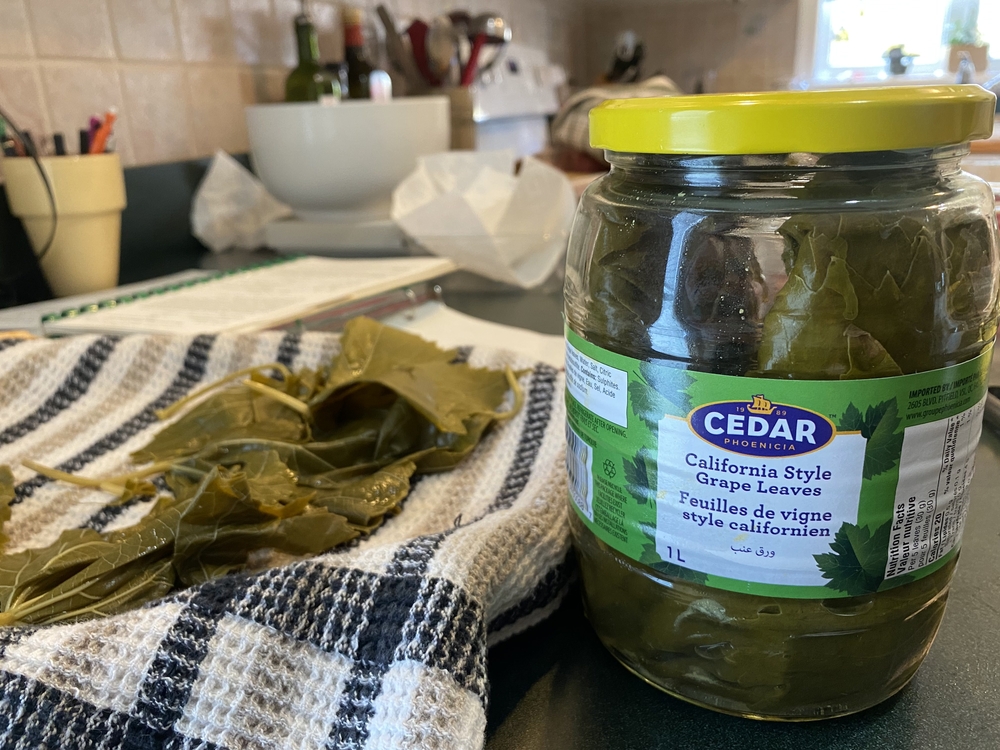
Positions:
(964, 38)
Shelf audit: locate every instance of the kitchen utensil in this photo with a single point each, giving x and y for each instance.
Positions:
(401, 59)
(513, 110)
(469, 73)
(442, 47)
(498, 34)
(418, 42)
(460, 21)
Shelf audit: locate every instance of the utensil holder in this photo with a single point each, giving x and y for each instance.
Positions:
(89, 194)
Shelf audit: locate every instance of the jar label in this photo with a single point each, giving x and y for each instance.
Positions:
(789, 488)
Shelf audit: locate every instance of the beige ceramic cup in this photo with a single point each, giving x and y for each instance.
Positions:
(90, 195)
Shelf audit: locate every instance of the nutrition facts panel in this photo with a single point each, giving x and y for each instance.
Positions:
(932, 496)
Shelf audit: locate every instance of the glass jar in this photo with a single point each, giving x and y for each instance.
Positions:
(780, 311)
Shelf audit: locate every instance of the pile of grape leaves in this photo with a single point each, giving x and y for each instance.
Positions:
(295, 462)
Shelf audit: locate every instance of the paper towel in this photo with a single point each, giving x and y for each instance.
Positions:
(470, 206)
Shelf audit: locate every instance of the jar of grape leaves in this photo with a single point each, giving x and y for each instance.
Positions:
(780, 314)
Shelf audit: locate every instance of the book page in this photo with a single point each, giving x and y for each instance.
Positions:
(256, 298)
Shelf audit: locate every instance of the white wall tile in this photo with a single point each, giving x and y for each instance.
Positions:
(181, 71)
(284, 23)
(21, 95)
(530, 25)
(274, 84)
(326, 18)
(77, 90)
(206, 30)
(692, 41)
(253, 30)
(72, 28)
(15, 36)
(263, 85)
(145, 29)
(156, 100)
(217, 109)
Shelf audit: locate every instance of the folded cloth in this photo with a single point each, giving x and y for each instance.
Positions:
(571, 126)
(380, 645)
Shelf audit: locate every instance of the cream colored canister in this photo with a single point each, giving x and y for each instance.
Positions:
(89, 195)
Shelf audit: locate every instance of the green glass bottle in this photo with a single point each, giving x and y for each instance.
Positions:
(309, 81)
(359, 70)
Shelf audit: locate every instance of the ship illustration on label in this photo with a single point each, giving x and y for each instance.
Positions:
(762, 428)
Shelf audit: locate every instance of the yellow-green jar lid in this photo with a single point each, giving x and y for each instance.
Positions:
(779, 122)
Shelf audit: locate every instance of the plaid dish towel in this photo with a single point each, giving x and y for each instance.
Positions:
(381, 645)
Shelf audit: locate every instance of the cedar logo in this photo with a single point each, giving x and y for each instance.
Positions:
(759, 427)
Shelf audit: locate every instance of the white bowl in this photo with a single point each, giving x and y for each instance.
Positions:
(343, 161)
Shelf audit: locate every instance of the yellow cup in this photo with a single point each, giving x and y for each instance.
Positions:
(89, 193)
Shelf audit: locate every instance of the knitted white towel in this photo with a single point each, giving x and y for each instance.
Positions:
(382, 645)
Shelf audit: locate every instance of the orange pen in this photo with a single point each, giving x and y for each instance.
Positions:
(100, 138)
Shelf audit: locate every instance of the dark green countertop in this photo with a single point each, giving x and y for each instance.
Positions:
(533, 309)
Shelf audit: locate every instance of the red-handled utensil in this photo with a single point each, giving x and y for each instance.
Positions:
(418, 43)
(469, 74)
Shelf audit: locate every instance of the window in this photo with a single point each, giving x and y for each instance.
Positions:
(989, 25)
(852, 36)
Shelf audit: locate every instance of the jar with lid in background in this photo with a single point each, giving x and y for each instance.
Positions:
(780, 314)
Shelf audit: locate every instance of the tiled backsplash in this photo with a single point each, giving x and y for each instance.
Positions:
(181, 71)
(727, 46)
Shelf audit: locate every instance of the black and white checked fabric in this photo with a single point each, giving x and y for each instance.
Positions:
(380, 646)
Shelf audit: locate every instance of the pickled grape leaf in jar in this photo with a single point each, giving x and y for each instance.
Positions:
(810, 331)
(626, 276)
(866, 296)
(720, 293)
